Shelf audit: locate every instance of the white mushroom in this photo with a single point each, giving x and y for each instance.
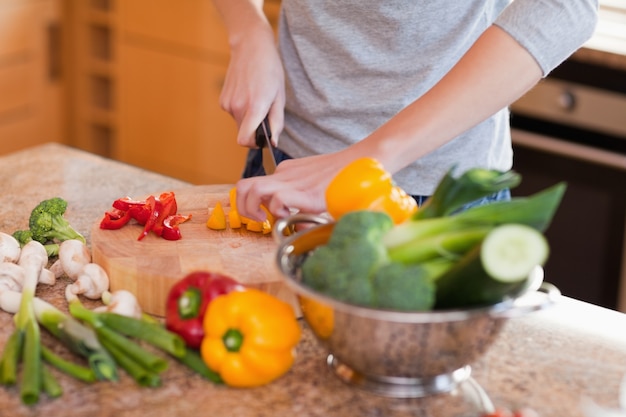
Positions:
(9, 248)
(74, 255)
(57, 269)
(91, 282)
(10, 301)
(47, 277)
(121, 302)
(11, 277)
(33, 258)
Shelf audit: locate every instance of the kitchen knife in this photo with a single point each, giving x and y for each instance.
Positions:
(264, 141)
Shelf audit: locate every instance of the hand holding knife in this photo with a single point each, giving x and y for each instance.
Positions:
(264, 141)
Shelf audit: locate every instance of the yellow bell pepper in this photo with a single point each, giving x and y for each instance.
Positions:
(250, 337)
(320, 317)
(217, 219)
(364, 184)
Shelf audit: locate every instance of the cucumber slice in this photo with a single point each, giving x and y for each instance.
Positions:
(510, 252)
(494, 269)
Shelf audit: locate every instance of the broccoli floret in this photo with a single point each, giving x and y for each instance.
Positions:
(47, 224)
(25, 236)
(343, 268)
(404, 287)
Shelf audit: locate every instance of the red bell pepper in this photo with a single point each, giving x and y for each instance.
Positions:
(187, 303)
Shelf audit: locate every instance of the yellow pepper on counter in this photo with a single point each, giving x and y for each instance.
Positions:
(250, 337)
(364, 184)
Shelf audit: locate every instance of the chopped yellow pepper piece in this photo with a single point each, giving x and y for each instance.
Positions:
(217, 219)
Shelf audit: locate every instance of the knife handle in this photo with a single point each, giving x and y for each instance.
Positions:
(261, 132)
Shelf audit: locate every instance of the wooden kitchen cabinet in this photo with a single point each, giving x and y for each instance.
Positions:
(173, 60)
(171, 121)
(31, 92)
(148, 78)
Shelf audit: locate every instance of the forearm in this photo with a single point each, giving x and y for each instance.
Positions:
(242, 17)
(492, 74)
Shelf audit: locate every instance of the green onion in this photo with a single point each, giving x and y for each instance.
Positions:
(141, 375)
(31, 370)
(151, 332)
(49, 383)
(79, 372)
(78, 338)
(10, 358)
(140, 363)
(194, 361)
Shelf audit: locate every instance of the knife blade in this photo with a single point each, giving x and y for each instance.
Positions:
(264, 141)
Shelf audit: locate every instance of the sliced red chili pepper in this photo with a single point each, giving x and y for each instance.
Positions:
(114, 219)
(171, 231)
(167, 206)
(125, 203)
(141, 213)
(154, 215)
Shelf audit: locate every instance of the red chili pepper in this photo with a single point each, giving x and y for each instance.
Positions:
(187, 303)
(170, 226)
(154, 214)
(114, 219)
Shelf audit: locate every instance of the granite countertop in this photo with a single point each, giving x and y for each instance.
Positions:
(546, 360)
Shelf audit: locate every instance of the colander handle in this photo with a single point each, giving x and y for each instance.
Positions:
(545, 296)
(285, 227)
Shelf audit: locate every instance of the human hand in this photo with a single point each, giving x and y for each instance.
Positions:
(297, 184)
(254, 85)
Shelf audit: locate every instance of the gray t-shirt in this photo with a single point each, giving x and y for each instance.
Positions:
(352, 65)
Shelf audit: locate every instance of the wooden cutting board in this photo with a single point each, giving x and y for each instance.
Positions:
(148, 268)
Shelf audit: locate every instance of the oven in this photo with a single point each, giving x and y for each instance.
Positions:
(572, 127)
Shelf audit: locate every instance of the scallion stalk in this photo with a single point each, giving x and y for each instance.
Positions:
(31, 358)
(140, 363)
(10, 358)
(77, 337)
(49, 383)
(194, 361)
(141, 375)
(151, 332)
(79, 372)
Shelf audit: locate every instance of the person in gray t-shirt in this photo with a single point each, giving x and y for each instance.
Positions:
(420, 85)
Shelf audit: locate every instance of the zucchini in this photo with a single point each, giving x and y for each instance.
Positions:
(493, 269)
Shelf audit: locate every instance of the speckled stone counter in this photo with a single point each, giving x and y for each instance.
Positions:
(548, 360)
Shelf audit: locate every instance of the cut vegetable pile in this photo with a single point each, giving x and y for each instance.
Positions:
(117, 335)
(220, 220)
(446, 255)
